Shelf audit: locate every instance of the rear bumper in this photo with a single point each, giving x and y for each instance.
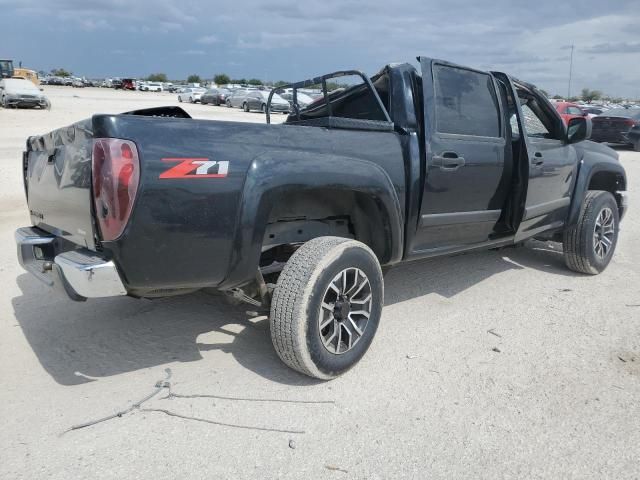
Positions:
(610, 136)
(80, 273)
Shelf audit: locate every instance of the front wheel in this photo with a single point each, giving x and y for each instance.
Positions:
(245, 107)
(326, 306)
(589, 245)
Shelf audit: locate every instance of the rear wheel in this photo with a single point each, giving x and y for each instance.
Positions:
(326, 306)
(245, 107)
(589, 245)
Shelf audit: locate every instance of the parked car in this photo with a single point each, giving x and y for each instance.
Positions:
(190, 94)
(237, 97)
(175, 88)
(592, 111)
(621, 125)
(143, 205)
(151, 87)
(257, 100)
(19, 92)
(77, 83)
(568, 110)
(215, 96)
(302, 98)
(124, 84)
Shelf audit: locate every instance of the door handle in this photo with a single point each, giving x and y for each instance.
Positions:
(448, 161)
(537, 159)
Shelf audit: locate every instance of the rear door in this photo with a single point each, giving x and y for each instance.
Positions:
(464, 190)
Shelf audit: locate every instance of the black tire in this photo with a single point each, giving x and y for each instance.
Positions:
(245, 107)
(296, 307)
(579, 241)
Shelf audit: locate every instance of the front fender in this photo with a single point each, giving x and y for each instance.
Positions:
(593, 158)
(276, 173)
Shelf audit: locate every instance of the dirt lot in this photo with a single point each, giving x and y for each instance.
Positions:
(498, 364)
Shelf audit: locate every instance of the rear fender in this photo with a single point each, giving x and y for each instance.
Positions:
(277, 173)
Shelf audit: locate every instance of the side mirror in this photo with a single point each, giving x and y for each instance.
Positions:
(578, 129)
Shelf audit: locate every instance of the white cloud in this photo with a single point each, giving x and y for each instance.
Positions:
(208, 40)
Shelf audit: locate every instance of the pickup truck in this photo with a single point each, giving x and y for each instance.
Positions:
(301, 219)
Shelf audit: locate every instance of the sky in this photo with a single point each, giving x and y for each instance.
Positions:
(293, 40)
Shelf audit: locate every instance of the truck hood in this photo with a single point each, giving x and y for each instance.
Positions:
(592, 147)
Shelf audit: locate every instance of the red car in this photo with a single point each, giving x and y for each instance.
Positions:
(569, 110)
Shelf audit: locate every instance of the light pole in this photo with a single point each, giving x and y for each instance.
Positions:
(570, 73)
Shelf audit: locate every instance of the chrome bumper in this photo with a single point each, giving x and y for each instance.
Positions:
(80, 273)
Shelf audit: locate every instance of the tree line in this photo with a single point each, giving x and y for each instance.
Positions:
(586, 95)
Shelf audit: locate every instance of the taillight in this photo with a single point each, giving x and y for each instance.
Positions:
(630, 122)
(116, 174)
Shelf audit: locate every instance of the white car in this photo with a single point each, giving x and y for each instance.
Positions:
(18, 92)
(191, 95)
(151, 87)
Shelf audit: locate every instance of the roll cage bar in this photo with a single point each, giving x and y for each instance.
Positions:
(323, 81)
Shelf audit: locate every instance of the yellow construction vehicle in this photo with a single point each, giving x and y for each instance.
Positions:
(27, 75)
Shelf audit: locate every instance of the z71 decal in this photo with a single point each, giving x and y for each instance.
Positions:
(195, 168)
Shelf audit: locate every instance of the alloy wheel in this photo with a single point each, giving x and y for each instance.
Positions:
(603, 233)
(345, 310)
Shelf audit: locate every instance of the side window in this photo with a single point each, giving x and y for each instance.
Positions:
(532, 123)
(574, 111)
(466, 102)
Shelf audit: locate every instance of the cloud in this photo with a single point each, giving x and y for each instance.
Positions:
(621, 47)
(208, 40)
(275, 39)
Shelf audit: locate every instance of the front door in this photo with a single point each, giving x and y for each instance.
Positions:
(464, 185)
(552, 163)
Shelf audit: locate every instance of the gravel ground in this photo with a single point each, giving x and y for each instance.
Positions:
(499, 364)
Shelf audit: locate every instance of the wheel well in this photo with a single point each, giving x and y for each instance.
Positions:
(609, 182)
(298, 217)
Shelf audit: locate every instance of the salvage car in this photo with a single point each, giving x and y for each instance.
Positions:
(257, 100)
(19, 92)
(151, 87)
(215, 96)
(568, 110)
(300, 219)
(191, 94)
(620, 125)
(237, 97)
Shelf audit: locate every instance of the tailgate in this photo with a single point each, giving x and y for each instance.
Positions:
(57, 169)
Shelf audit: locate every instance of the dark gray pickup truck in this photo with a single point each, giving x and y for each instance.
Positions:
(300, 219)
